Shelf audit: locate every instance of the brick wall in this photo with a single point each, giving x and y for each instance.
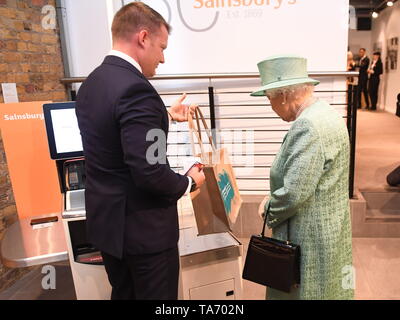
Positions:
(30, 56)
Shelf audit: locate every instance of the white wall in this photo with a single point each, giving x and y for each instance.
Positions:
(360, 39)
(385, 27)
(88, 34)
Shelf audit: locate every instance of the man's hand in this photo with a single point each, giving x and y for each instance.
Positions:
(179, 111)
(197, 175)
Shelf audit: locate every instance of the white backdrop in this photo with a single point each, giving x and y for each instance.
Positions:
(235, 38)
(212, 36)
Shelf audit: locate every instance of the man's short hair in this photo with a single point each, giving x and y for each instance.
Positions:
(377, 53)
(134, 17)
(363, 49)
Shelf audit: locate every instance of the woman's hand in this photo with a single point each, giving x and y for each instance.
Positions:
(261, 208)
(179, 111)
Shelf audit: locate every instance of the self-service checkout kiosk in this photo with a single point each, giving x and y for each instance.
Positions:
(65, 145)
(210, 264)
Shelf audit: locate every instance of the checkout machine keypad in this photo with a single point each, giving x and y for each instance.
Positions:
(74, 175)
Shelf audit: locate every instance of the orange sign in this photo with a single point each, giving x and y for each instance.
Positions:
(33, 174)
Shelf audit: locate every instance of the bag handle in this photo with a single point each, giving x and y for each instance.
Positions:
(208, 131)
(196, 131)
(265, 222)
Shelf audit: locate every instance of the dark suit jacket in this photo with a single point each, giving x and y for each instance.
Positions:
(130, 203)
(363, 65)
(378, 70)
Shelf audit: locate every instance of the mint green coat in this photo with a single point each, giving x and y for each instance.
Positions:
(309, 186)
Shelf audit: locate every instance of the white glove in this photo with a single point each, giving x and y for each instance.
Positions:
(261, 208)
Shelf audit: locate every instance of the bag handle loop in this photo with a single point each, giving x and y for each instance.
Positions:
(196, 131)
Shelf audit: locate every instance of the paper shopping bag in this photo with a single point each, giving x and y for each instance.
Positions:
(217, 203)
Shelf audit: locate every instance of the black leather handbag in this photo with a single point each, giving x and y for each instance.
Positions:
(393, 178)
(271, 262)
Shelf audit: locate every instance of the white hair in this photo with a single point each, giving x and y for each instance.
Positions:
(350, 55)
(293, 92)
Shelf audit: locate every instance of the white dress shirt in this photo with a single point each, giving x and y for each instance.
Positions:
(133, 62)
(372, 66)
(126, 58)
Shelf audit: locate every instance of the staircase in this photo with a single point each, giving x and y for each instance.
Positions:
(376, 213)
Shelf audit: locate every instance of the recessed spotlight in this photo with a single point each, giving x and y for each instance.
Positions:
(390, 3)
(375, 14)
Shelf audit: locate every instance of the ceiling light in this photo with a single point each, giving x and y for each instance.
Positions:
(375, 14)
(390, 3)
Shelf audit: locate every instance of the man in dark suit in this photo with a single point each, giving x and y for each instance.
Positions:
(131, 200)
(374, 73)
(363, 65)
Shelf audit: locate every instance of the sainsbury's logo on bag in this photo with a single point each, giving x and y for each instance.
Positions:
(227, 191)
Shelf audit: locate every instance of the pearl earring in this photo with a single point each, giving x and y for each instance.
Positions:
(284, 100)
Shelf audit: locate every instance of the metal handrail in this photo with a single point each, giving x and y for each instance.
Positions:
(193, 76)
(351, 103)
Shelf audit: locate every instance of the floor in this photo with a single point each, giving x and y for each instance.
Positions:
(377, 148)
(376, 260)
(30, 286)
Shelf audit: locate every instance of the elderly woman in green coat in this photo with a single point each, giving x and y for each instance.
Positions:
(309, 182)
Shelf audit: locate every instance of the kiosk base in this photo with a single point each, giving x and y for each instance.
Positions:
(90, 279)
(210, 265)
(214, 280)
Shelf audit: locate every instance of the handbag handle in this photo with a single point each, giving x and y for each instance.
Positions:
(265, 222)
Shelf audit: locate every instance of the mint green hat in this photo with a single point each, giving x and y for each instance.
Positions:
(282, 71)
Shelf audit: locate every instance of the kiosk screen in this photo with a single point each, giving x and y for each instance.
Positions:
(62, 131)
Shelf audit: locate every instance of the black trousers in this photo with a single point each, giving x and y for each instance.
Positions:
(373, 91)
(363, 88)
(144, 277)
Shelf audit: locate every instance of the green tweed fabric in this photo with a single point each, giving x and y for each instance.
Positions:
(309, 186)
